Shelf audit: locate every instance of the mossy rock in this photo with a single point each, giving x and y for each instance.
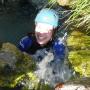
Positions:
(63, 2)
(80, 61)
(14, 65)
(8, 47)
(77, 33)
(27, 63)
(78, 40)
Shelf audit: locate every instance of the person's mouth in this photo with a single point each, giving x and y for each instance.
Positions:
(41, 37)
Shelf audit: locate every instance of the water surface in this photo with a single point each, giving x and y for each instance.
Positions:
(16, 22)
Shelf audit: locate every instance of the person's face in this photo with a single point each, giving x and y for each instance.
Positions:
(43, 33)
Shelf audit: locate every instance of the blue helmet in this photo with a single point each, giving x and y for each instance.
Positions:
(48, 16)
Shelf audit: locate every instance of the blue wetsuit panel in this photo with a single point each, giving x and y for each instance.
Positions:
(59, 50)
(25, 43)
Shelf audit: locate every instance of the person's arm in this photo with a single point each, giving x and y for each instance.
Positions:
(59, 47)
(59, 50)
(25, 43)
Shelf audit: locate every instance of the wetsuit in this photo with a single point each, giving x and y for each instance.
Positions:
(29, 44)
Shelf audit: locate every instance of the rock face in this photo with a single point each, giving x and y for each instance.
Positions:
(63, 2)
(13, 65)
(79, 57)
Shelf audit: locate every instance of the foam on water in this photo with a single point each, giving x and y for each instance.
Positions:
(52, 72)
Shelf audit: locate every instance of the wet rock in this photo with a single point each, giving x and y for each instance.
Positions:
(10, 48)
(7, 58)
(64, 2)
(14, 65)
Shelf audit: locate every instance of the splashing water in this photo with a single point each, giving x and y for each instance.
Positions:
(51, 70)
(43, 65)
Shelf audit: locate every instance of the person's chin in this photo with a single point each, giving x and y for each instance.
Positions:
(41, 43)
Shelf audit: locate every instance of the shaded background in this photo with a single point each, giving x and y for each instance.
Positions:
(16, 20)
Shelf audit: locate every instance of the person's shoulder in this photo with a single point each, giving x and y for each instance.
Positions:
(26, 42)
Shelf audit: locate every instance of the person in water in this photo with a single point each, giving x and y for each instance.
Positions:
(44, 40)
(46, 24)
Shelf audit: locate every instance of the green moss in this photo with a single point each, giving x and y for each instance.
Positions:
(79, 52)
(11, 48)
(12, 73)
(26, 64)
(80, 61)
(78, 40)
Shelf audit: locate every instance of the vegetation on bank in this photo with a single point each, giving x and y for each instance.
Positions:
(80, 17)
(80, 13)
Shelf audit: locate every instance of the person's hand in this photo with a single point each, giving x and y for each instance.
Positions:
(58, 86)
